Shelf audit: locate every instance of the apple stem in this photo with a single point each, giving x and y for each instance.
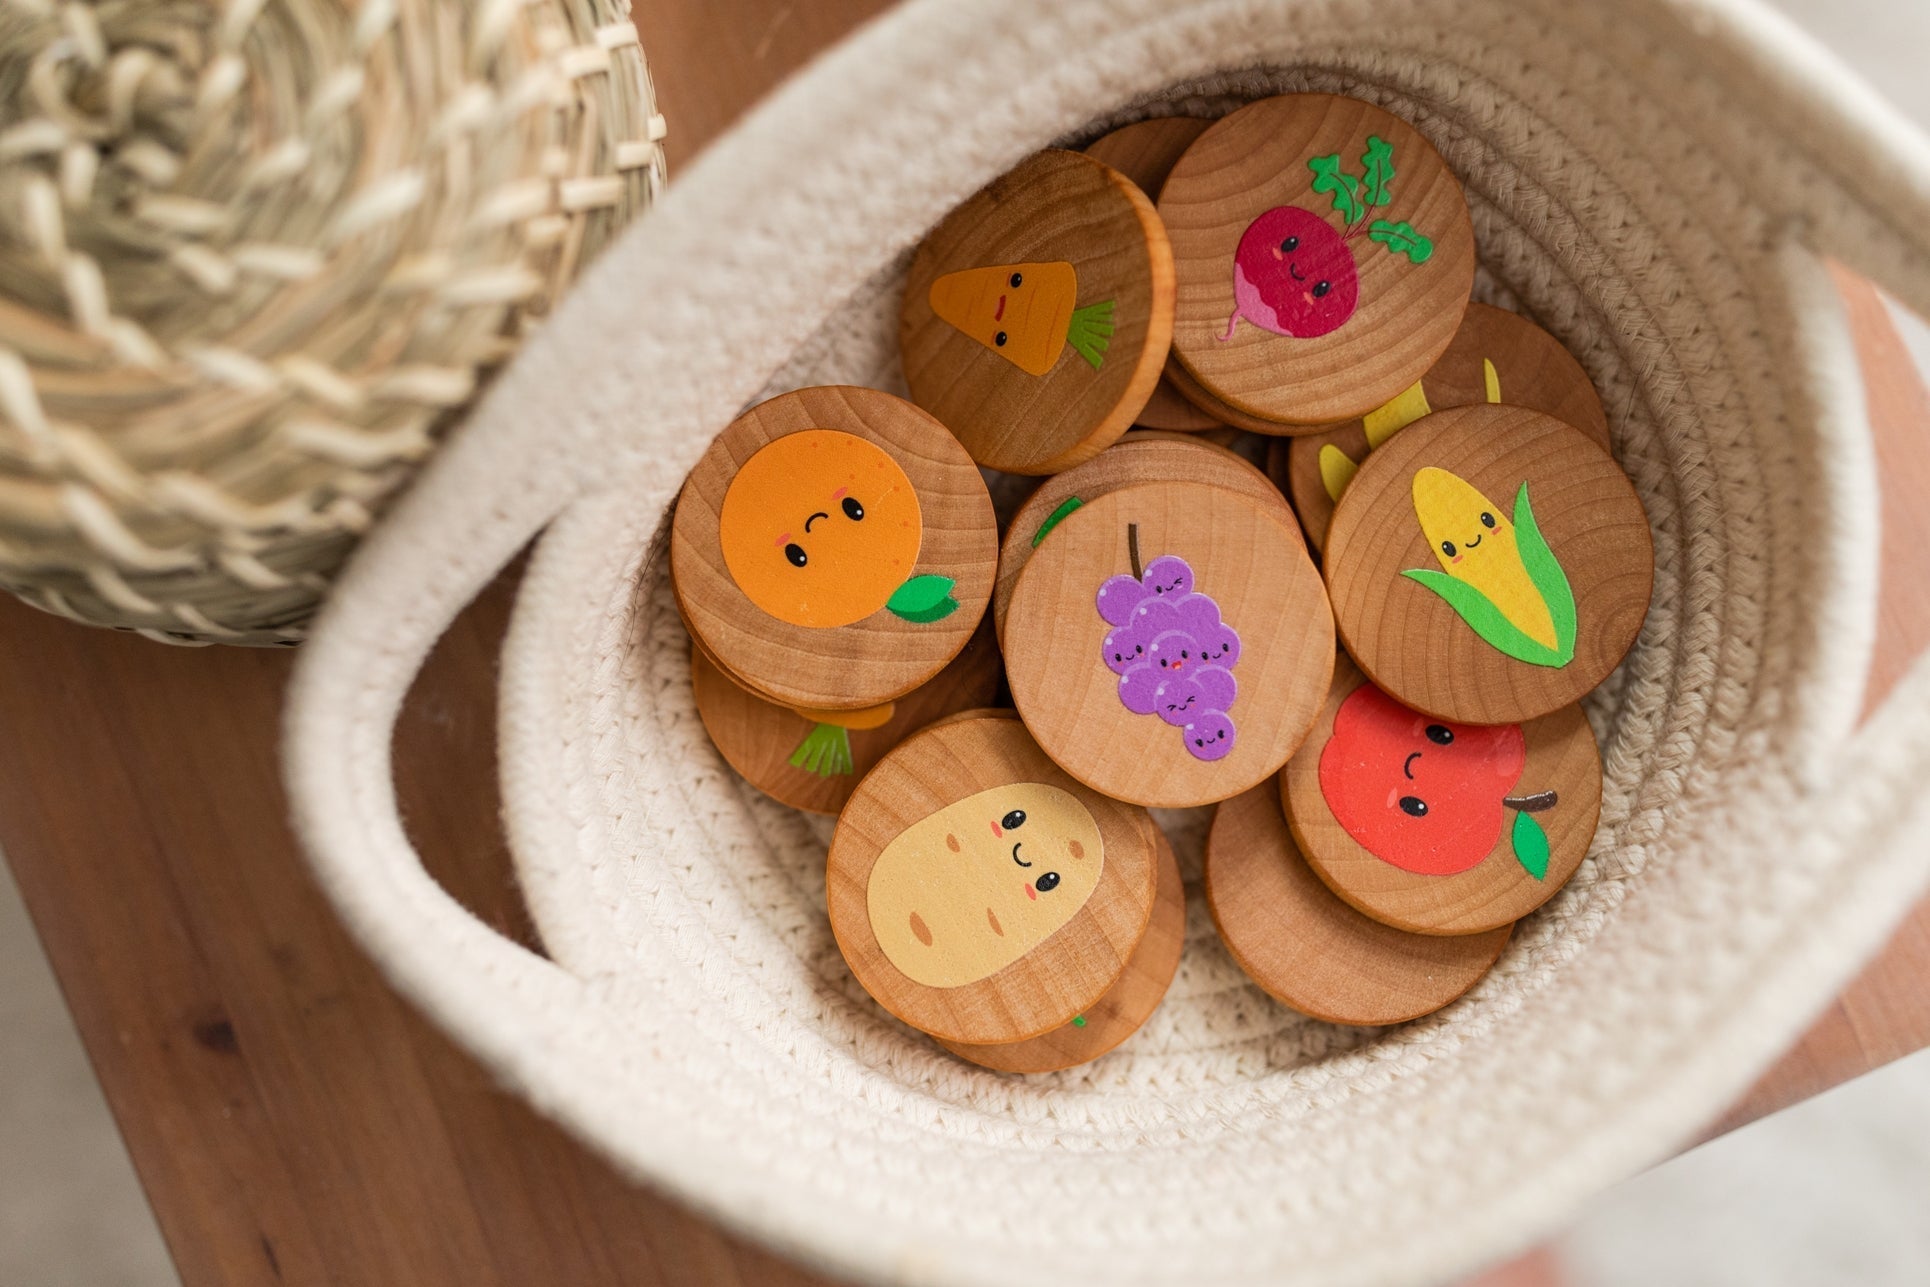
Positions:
(1530, 803)
(1132, 549)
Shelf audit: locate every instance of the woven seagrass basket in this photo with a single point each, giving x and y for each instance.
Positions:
(252, 257)
(1656, 182)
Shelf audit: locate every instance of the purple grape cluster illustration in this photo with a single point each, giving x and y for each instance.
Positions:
(1173, 654)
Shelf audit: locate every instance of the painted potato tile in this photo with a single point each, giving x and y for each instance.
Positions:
(822, 528)
(970, 889)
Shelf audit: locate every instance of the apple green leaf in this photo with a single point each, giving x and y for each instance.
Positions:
(924, 599)
(1531, 845)
(825, 751)
(1055, 518)
(1401, 239)
(1378, 161)
(1328, 177)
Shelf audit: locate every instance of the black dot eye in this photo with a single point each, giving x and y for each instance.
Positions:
(1047, 883)
(795, 553)
(1321, 288)
(1487, 519)
(1413, 806)
(999, 339)
(1447, 548)
(853, 510)
(1440, 735)
(1018, 279)
(1290, 245)
(1012, 821)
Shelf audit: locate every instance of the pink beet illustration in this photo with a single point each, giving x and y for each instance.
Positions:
(1295, 274)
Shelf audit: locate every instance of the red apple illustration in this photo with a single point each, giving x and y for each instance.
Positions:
(1424, 795)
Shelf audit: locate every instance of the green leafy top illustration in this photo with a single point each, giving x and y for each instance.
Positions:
(1355, 195)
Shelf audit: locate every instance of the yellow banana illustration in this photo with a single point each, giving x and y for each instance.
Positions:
(1498, 575)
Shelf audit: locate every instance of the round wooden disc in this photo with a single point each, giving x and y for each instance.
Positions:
(1306, 948)
(1445, 594)
(1037, 316)
(1145, 152)
(812, 760)
(1224, 578)
(1441, 828)
(1497, 356)
(980, 894)
(1294, 192)
(1126, 1005)
(895, 528)
(1141, 457)
(1181, 381)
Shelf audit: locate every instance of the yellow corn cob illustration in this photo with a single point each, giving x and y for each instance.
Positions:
(1499, 576)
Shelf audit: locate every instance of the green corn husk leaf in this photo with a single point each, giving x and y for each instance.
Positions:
(1343, 187)
(1378, 162)
(1401, 239)
(825, 751)
(1090, 332)
(923, 599)
(1485, 619)
(1547, 576)
(1055, 518)
(1530, 845)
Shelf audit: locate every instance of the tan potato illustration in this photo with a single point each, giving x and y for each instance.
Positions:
(963, 893)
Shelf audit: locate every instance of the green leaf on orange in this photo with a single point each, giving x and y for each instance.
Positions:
(924, 599)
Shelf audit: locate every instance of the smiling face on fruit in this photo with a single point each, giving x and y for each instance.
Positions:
(1422, 794)
(1019, 311)
(819, 527)
(963, 893)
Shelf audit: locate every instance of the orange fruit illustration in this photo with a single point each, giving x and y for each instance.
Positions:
(820, 528)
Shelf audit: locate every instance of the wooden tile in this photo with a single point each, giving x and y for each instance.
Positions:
(1324, 256)
(834, 548)
(812, 760)
(1145, 152)
(979, 893)
(1037, 316)
(1170, 643)
(1497, 356)
(1437, 827)
(1144, 456)
(1127, 1004)
(1489, 564)
(1306, 948)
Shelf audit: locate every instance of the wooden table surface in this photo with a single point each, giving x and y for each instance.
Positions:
(290, 1117)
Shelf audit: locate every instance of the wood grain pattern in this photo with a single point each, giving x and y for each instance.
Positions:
(1145, 152)
(168, 912)
(1306, 948)
(1246, 556)
(1410, 641)
(1332, 363)
(1127, 1004)
(1455, 789)
(1139, 457)
(1055, 209)
(1062, 976)
(758, 738)
(883, 656)
(1531, 369)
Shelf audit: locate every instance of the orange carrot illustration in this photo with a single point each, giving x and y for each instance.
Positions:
(1025, 313)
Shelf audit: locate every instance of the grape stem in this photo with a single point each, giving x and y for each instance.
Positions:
(1132, 550)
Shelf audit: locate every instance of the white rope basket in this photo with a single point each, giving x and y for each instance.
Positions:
(1653, 180)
